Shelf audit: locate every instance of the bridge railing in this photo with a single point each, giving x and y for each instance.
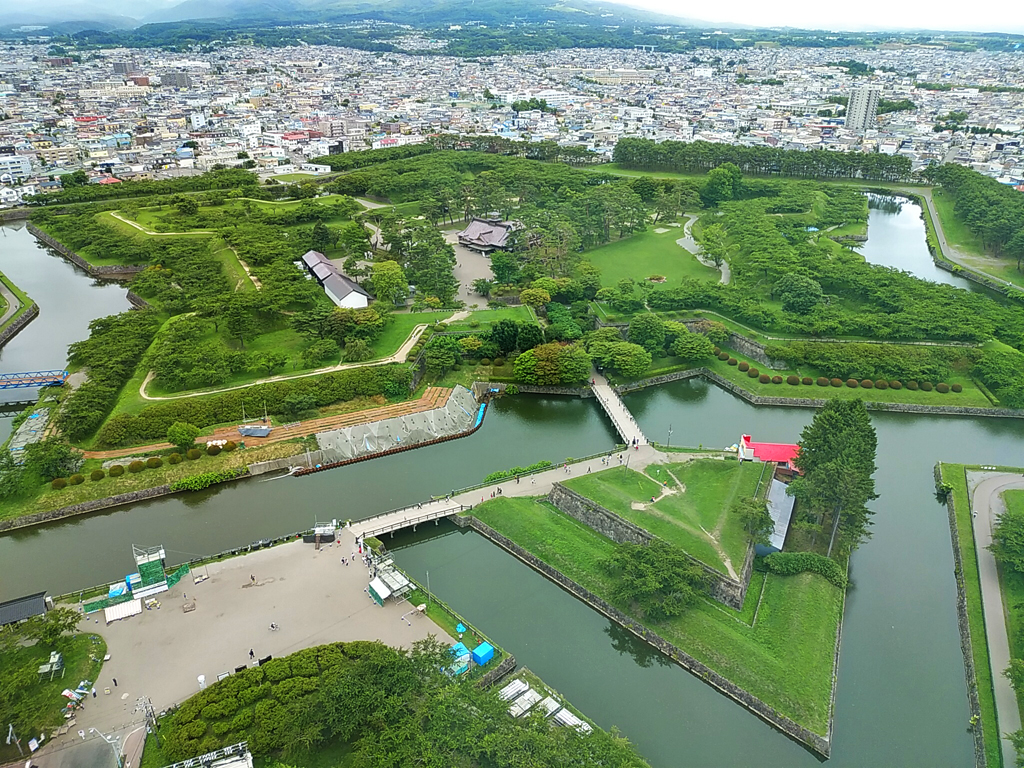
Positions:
(426, 517)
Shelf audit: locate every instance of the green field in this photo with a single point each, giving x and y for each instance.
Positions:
(973, 249)
(779, 647)
(694, 515)
(19, 294)
(646, 254)
(1012, 585)
(953, 474)
(153, 218)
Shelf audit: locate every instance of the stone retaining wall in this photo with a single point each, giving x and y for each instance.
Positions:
(964, 626)
(262, 467)
(813, 402)
(508, 664)
(18, 214)
(19, 323)
(110, 271)
(725, 590)
(137, 301)
(89, 506)
(813, 741)
(533, 389)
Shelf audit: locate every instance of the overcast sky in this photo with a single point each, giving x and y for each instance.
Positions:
(998, 16)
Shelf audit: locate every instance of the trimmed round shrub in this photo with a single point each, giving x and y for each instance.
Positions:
(485, 361)
(807, 381)
(213, 450)
(499, 361)
(230, 445)
(764, 378)
(836, 382)
(753, 373)
(867, 384)
(744, 366)
(881, 384)
(943, 388)
(958, 388)
(717, 350)
(732, 361)
(776, 379)
(912, 386)
(116, 471)
(193, 454)
(136, 466)
(76, 479)
(59, 484)
(97, 474)
(154, 462)
(723, 355)
(794, 380)
(926, 386)
(174, 458)
(852, 383)
(894, 384)
(822, 381)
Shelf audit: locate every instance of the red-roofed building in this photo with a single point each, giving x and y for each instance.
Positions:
(782, 454)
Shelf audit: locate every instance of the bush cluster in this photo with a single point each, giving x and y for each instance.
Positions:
(776, 379)
(154, 462)
(753, 373)
(732, 361)
(790, 563)
(744, 366)
(213, 450)
(116, 471)
(764, 378)
(206, 479)
(723, 355)
(792, 380)
(97, 474)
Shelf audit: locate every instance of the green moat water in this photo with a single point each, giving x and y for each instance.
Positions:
(901, 697)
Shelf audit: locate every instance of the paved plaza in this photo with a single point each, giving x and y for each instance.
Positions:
(310, 594)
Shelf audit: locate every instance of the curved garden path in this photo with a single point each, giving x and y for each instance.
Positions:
(689, 244)
(13, 303)
(986, 505)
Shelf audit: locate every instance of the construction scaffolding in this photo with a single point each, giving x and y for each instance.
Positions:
(459, 414)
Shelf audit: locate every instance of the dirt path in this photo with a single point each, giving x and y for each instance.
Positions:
(13, 303)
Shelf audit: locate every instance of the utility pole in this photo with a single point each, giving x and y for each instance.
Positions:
(428, 587)
(12, 736)
(145, 705)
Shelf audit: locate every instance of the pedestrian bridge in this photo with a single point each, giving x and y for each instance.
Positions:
(407, 517)
(32, 379)
(617, 411)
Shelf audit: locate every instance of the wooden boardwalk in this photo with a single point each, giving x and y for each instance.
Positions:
(433, 397)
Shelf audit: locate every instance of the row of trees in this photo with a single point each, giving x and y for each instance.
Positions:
(225, 179)
(992, 211)
(702, 156)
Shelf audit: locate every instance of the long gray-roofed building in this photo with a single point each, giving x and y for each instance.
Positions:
(342, 290)
(21, 608)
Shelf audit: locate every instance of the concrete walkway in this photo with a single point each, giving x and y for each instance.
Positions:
(617, 411)
(986, 505)
(691, 245)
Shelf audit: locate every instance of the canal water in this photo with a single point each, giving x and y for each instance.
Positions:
(68, 301)
(897, 238)
(901, 696)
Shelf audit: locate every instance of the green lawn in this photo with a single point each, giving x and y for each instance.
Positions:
(20, 294)
(954, 475)
(42, 700)
(779, 649)
(1012, 586)
(695, 517)
(290, 178)
(646, 254)
(481, 318)
(154, 217)
(956, 232)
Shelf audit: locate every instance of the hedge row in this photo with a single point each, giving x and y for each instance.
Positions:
(823, 381)
(206, 479)
(790, 563)
(152, 422)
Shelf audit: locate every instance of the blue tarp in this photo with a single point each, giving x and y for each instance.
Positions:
(483, 653)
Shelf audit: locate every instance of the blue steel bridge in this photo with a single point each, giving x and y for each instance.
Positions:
(32, 379)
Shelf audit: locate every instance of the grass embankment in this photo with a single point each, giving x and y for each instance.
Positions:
(971, 395)
(22, 297)
(41, 699)
(1012, 586)
(649, 253)
(780, 647)
(44, 498)
(970, 245)
(694, 512)
(954, 475)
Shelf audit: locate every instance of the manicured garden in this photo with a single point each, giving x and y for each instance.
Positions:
(780, 648)
(953, 476)
(694, 512)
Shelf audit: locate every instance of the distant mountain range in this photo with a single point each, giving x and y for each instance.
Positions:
(112, 13)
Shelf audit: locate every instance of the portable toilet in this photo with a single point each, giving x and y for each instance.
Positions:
(483, 653)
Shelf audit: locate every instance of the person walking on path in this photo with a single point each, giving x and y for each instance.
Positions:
(252, 654)
(115, 681)
(252, 579)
